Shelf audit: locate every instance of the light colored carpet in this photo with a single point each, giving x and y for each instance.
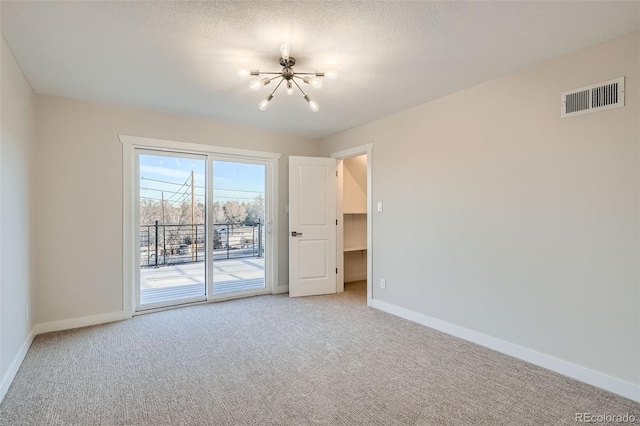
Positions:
(274, 360)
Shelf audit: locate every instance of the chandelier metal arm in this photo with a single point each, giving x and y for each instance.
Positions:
(298, 86)
(302, 78)
(276, 88)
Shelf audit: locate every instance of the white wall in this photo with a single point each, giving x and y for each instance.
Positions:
(524, 226)
(16, 141)
(79, 195)
(354, 184)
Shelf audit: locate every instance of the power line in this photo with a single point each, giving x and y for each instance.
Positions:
(160, 199)
(238, 190)
(169, 200)
(184, 197)
(158, 190)
(201, 187)
(170, 183)
(162, 191)
(175, 193)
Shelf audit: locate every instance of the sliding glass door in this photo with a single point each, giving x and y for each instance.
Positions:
(201, 222)
(238, 232)
(172, 229)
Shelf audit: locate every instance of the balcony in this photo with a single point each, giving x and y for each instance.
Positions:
(174, 282)
(174, 269)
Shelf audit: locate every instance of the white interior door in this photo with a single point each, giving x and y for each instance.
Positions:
(312, 226)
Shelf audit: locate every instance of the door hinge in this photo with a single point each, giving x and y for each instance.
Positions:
(336, 221)
(336, 270)
(336, 173)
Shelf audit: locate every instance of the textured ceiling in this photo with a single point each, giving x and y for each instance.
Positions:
(185, 56)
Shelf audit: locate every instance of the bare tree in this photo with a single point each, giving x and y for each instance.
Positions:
(150, 211)
(255, 210)
(234, 212)
(218, 212)
(231, 211)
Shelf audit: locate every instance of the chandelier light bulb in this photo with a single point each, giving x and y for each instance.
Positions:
(265, 103)
(243, 72)
(255, 85)
(284, 49)
(312, 104)
(315, 82)
(331, 74)
(289, 88)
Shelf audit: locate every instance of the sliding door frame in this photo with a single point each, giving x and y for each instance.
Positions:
(211, 196)
(137, 152)
(130, 147)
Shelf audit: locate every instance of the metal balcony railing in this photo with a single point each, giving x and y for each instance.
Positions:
(162, 245)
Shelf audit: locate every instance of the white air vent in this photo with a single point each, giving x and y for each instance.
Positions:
(596, 97)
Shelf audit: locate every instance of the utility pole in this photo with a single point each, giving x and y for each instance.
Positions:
(193, 216)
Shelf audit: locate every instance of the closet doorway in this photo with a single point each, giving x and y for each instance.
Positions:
(354, 220)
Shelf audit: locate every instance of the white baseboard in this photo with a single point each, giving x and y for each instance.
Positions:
(583, 374)
(49, 327)
(15, 365)
(68, 324)
(355, 277)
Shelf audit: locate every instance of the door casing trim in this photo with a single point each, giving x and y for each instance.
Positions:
(129, 146)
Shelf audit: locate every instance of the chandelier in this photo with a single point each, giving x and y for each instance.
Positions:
(288, 76)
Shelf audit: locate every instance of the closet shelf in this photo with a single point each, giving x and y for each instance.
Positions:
(354, 212)
(360, 248)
